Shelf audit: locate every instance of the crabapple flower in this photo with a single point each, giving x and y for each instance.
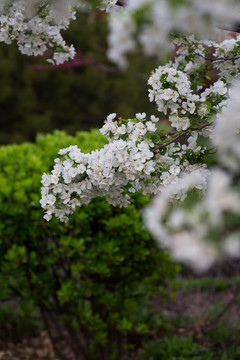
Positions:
(159, 19)
(36, 27)
(188, 230)
(226, 136)
(129, 162)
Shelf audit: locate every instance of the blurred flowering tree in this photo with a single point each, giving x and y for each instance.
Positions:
(37, 97)
(196, 90)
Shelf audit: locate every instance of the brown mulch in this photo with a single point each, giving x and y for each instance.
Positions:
(197, 304)
(31, 348)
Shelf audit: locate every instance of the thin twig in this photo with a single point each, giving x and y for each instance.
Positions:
(179, 136)
(213, 59)
(227, 307)
(223, 59)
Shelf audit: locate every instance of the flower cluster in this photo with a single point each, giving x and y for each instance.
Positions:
(110, 6)
(176, 237)
(194, 56)
(36, 25)
(126, 160)
(36, 28)
(130, 162)
(191, 226)
(171, 89)
(183, 91)
(226, 135)
(159, 19)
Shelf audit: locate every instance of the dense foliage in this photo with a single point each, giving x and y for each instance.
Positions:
(95, 274)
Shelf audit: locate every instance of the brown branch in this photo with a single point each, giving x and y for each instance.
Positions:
(223, 59)
(171, 141)
(179, 136)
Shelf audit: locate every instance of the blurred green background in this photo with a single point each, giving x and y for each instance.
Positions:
(36, 97)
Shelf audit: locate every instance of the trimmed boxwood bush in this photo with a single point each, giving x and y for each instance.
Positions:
(90, 279)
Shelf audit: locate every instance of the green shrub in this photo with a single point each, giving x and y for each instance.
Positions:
(92, 278)
(174, 348)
